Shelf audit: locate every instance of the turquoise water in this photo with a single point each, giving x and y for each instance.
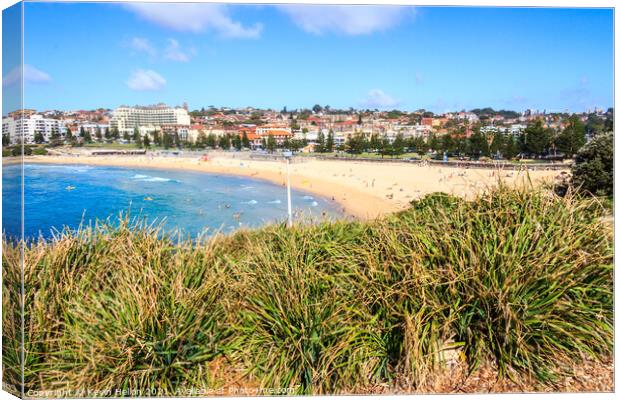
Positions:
(196, 203)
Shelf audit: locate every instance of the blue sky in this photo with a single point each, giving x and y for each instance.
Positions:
(83, 56)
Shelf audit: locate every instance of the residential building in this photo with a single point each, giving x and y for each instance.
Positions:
(16, 128)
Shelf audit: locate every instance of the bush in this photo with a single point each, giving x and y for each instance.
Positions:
(521, 279)
(593, 171)
(39, 151)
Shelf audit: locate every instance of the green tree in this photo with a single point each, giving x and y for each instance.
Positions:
(245, 142)
(224, 142)
(157, 139)
(478, 145)
(271, 143)
(126, 137)
(417, 143)
(85, 135)
(211, 140)
(595, 125)
(329, 142)
(55, 138)
(398, 147)
(115, 133)
(68, 135)
(385, 149)
(537, 138)
(433, 142)
(511, 148)
(201, 140)
(6, 140)
(573, 137)
(498, 144)
(136, 136)
(98, 135)
(447, 143)
(593, 170)
(146, 142)
(355, 143)
(609, 120)
(38, 137)
(375, 142)
(167, 140)
(320, 142)
(236, 142)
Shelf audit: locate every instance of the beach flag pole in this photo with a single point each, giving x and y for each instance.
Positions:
(288, 155)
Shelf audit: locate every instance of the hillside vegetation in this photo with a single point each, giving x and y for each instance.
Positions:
(519, 280)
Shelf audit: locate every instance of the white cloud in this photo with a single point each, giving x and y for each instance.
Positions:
(194, 17)
(31, 75)
(145, 79)
(348, 20)
(379, 99)
(142, 45)
(173, 52)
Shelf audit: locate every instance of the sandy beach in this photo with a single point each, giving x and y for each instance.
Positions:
(363, 189)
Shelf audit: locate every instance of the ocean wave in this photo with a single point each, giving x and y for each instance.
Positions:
(156, 179)
(275, 202)
(314, 204)
(251, 202)
(147, 178)
(308, 197)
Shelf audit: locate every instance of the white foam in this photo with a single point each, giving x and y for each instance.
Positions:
(250, 202)
(156, 179)
(314, 204)
(147, 178)
(308, 198)
(275, 202)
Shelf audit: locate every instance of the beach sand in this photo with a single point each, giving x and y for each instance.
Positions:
(364, 189)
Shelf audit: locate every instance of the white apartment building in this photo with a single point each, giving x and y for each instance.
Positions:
(92, 128)
(15, 128)
(151, 118)
(514, 129)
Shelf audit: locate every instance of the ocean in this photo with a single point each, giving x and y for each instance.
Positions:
(64, 196)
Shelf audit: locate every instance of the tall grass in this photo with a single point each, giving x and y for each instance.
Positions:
(518, 278)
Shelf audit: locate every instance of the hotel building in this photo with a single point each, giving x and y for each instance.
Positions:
(150, 119)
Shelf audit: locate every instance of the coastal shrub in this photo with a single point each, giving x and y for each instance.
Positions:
(39, 151)
(298, 326)
(518, 278)
(593, 171)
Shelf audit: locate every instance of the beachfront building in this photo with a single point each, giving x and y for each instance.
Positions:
(93, 128)
(182, 130)
(279, 133)
(28, 127)
(151, 118)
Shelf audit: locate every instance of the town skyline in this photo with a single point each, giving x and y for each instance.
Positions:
(361, 57)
